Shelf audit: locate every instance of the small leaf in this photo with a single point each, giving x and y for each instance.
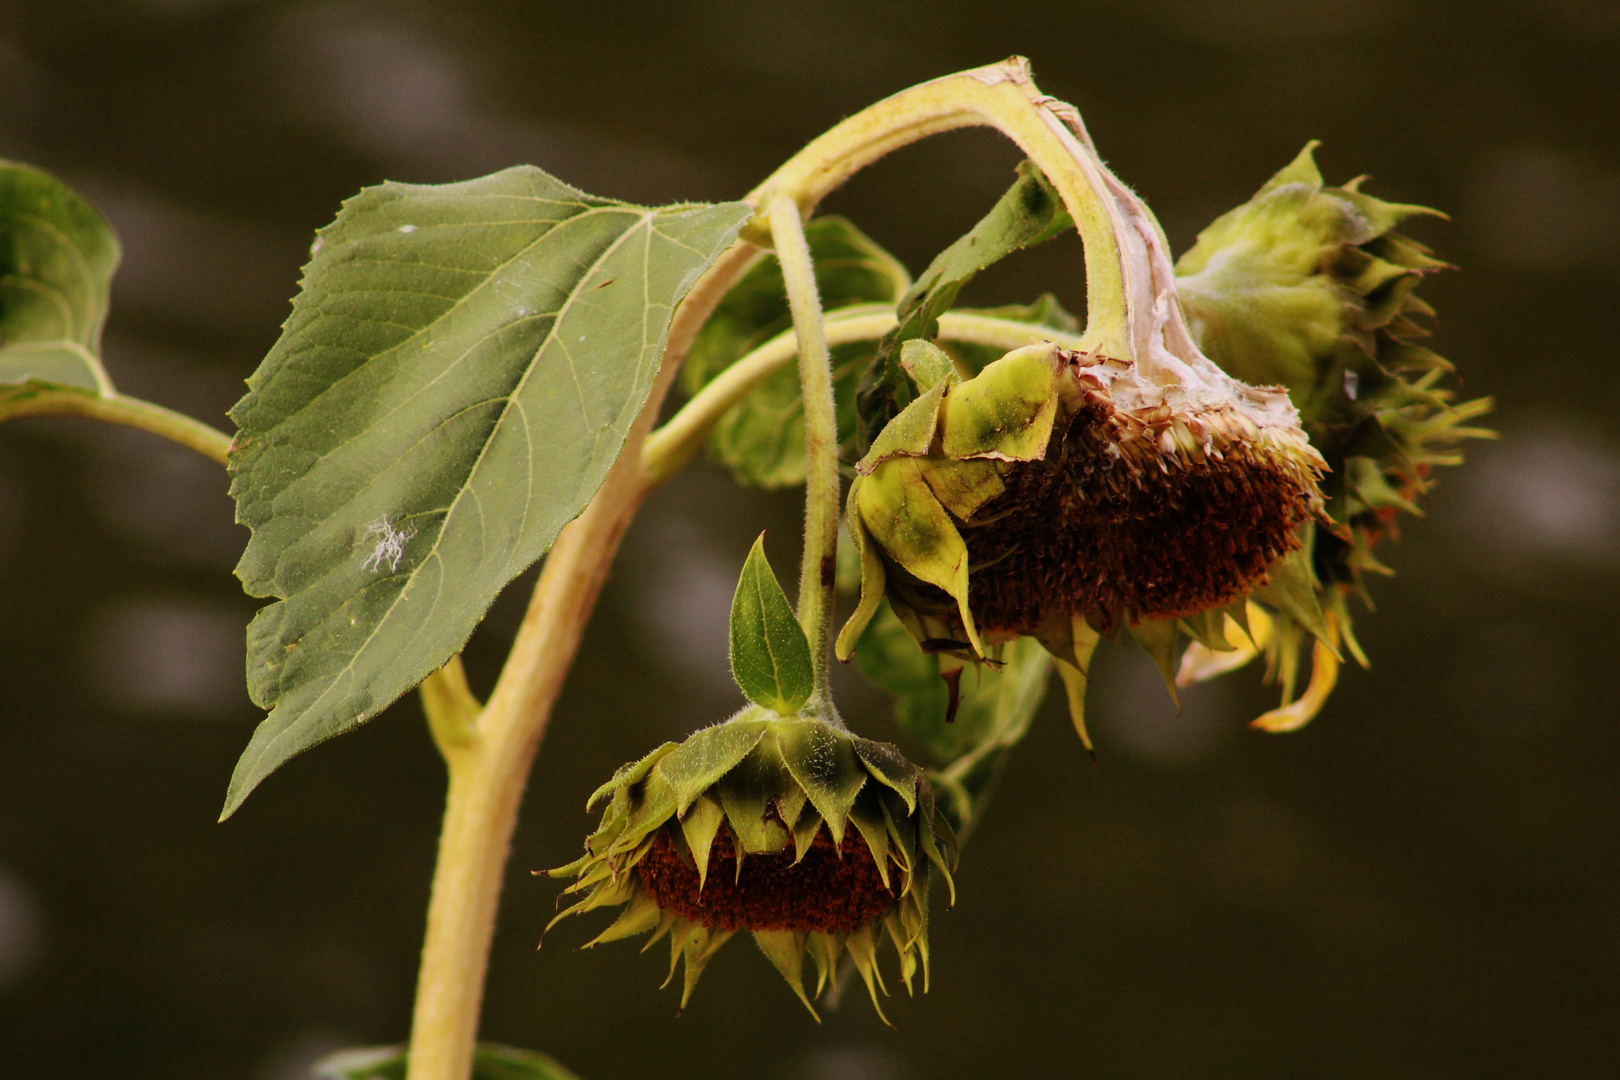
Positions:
(57, 257)
(761, 440)
(491, 1061)
(458, 374)
(770, 656)
(1030, 212)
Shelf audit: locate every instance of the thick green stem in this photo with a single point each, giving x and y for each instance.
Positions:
(816, 573)
(115, 408)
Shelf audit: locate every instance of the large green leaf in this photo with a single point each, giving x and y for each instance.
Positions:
(1030, 212)
(460, 370)
(491, 1061)
(761, 440)
(770, 656)
(57, 257)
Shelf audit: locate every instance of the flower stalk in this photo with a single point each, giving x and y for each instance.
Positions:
(817, 569)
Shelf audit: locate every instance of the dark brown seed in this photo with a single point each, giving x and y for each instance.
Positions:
(823, 892)
(1121, 540)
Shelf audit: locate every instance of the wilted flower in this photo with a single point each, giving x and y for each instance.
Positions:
(1060, 493)
(810, 838)
(1309, 286)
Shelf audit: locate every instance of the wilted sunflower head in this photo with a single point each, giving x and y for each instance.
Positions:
(810, 838)
(1059, 487)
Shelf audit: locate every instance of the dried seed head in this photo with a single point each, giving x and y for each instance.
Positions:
(810, 838)
(1057, 485)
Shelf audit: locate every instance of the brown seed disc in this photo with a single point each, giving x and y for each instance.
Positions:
(823, 892)
(1089, 531)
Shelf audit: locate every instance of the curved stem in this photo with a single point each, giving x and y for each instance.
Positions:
(816, 572)
(115, 408)
(1049, 132)
(672, 446)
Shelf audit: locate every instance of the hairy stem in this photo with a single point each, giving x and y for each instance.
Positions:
(816, 572)
(115, 408)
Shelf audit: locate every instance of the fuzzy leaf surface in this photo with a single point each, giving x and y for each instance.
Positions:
(460, 370)
(770, 656)
(491, 1061)
(761, 440)
(57, 257)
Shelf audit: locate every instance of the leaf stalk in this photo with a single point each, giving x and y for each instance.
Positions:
(115, 408)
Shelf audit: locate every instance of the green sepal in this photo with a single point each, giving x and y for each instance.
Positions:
(633, 773)
(911, 433)
(825, 766)
(699, 825)
(899, 510)
(747, 793)
(867, 815)
(1006, 412)
(864, 952)
(785, 950)
(698, 951)
(891, 769)
(1159, 639)
(770, 655)
(824, 948)
(640, 915)
(871, 576)
(962, 487)
(926, 363)
(707, 755)
(1292, 588)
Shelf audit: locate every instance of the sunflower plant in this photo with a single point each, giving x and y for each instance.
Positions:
(471, 379)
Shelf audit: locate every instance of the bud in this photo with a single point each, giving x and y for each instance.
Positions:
(1309, 286)
(810, 838)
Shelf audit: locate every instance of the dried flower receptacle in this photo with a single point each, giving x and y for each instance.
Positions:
(813, 840)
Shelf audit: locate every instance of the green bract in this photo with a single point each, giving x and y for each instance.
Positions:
(1309, 286)
(810, 838)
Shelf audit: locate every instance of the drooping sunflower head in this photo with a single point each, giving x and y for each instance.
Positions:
(813, 840)
(1057, 487)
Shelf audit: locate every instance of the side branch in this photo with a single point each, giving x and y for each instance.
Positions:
(131, 412)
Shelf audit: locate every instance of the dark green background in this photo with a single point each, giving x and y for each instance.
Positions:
(1424, 883)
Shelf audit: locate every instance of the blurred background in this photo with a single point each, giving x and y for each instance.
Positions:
(1423, 883)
